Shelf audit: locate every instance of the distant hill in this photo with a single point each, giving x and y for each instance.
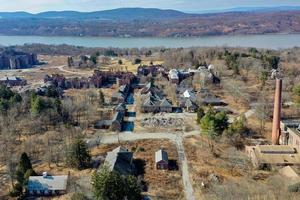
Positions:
(249, 9)
(121, 14)
(148, 22)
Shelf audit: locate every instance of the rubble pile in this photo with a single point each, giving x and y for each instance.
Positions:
(162, 122)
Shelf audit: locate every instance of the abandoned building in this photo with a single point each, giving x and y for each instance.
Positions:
(82, 61)
(121, 95)
(161, 160)
(188, 105)
(12, 81)
(117, 121)
(266, 156)
(47, 185)
(154, 70)
(98, 79)
(151, 88)
(114, 124)
(174, 76)
(152, 103)
(205, 97)
(153, 100)
(121, 161)
(120, 108)
(207, 74)
(11, 59)
(290, 133)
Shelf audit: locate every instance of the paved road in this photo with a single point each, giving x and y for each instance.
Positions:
(176, 138)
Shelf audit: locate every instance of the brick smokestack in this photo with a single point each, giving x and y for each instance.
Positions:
(277, 112)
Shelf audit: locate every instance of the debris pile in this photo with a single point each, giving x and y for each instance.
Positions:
(162, 122)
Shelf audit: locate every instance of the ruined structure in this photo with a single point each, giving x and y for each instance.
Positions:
(12, 81)
(81, 62)
(97, 80)
(10, 59)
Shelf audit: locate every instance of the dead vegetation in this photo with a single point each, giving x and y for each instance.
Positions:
(222, 172)
(163, 185)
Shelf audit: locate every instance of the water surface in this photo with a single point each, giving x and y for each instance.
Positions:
(259, 41)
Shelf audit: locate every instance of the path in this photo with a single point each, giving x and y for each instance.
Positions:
(188, 188)
(176, 138)
(247, 114)
(61, 68)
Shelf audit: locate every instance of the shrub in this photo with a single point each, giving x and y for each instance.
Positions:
(78, 196)
(294, 187)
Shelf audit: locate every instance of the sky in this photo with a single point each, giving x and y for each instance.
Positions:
(35, 6)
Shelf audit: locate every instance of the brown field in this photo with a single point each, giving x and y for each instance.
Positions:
(236, 179)
(161, 184)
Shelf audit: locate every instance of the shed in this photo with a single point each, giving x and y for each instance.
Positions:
(161, 160)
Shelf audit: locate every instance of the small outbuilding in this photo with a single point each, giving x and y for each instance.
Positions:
(161, 160)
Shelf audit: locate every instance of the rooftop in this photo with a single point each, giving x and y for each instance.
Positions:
(295, 130)
(119, 160)
(276, 154)
(161, 155)
(47, 183)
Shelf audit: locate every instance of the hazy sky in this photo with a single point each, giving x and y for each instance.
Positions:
(92, 5)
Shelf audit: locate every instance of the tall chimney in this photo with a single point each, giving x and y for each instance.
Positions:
(277, 112)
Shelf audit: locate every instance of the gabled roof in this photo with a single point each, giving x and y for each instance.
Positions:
(165, 103)
(148, 102)
(119, 160)
(211, 99)
(121, 107)
(123, 88)
(118, 95)
(161, 155)
(173, 74)
(189, 103)
(118, 116)
(189, 94)
(47, 183)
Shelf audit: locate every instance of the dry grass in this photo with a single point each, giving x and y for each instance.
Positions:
(161, 184)
(238, 180)
(127, 64)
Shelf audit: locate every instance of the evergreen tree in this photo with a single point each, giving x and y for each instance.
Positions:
(214, 123)
(79, 156)
(133, 189)
(111, 186)
(37, 105)
(23, 172)
(94, 59)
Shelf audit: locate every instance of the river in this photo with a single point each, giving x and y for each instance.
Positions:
(276, 41)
